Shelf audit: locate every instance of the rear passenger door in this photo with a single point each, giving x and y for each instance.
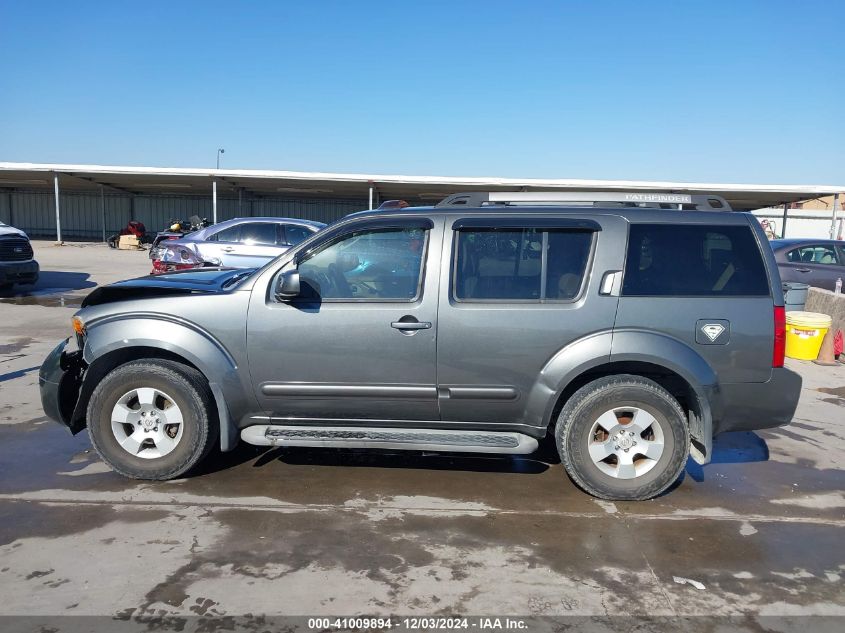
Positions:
(514, 292)
(253, 245)
(704, 284)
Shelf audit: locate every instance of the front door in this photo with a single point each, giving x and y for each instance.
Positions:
(360, 341)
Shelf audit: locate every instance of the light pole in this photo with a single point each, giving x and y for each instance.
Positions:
(220, 150)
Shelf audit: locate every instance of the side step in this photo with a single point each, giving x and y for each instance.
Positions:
(402, 439)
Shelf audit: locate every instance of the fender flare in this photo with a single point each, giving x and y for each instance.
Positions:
(561, 369)
(176, 337)
(606, 347)
(675, 355)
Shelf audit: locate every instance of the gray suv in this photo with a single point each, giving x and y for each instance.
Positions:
(629, 328)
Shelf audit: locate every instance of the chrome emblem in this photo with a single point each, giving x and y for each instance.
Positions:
(712, 330)
(18, 249)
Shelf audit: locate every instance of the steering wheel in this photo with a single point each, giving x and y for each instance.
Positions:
(341, 286)
(324, 283)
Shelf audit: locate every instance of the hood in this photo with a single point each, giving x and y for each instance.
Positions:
(6, 230)
(183, 282)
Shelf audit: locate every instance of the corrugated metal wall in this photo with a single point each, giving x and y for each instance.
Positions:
(82, 216)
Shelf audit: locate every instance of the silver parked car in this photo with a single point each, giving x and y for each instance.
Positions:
(237, 243)
(630, 335)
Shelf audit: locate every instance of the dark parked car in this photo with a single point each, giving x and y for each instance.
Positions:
(17, 263)
(630, 334)
(816, 262)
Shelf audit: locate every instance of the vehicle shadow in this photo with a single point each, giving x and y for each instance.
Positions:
(732, 448)
(50, 281)
(376, 458)
(728, 448)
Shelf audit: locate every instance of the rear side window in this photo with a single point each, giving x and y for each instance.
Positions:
(295, 234)
(263, 233)
(693, 260)
(520, 264)
(813, 255)
(232, 234)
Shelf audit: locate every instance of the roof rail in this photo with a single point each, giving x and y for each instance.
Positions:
(647, 199)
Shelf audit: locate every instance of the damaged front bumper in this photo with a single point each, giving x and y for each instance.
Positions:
(59, 381)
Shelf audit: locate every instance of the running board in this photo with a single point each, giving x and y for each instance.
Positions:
(401, 439)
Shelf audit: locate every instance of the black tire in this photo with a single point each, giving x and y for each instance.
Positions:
(575, 423)
(189, 390)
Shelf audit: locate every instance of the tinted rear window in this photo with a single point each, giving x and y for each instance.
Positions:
(520, 264)
(693, 260)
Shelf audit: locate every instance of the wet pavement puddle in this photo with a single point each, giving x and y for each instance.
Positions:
(47, 301)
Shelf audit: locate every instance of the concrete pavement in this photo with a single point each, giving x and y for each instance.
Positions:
(307, 532)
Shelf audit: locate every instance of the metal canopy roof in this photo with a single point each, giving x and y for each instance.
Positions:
(426, 189)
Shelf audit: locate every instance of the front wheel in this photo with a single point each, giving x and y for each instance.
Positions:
(623, 438)
(152, 419)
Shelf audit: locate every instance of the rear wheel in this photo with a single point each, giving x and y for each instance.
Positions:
(623, 438)
(152, 419)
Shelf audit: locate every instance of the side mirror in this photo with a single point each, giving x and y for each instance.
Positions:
(287, 285)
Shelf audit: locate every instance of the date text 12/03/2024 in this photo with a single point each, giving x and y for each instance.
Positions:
(416, 623)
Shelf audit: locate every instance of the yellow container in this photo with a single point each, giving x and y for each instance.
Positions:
(804, 334)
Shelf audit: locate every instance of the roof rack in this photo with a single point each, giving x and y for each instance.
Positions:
(646, 199)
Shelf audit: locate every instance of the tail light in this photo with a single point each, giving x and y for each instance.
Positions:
(160, 267)
(779, 349)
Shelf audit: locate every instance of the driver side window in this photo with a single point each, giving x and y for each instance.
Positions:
(369, 265)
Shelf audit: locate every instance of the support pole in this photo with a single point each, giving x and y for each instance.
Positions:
(371, 196)
(783, 227)
(58, 214)
(240, 195)
(103, 212)
(833, 219)
(214, 200)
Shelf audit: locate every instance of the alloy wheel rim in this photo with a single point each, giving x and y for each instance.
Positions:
(625, 442)
(147, 423)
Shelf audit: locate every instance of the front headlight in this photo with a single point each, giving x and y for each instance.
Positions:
(78, 325)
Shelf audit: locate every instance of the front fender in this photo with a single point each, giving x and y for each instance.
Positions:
(122, 332)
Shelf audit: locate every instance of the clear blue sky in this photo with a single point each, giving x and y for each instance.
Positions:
(703, 91)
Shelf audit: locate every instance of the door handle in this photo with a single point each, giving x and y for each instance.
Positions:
(411, 325)
(803, 270)
(228, 249)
